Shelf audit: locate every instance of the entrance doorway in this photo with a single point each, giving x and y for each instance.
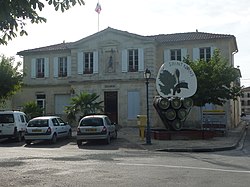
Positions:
(111, 105)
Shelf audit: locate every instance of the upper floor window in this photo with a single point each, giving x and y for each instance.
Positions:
(133, 60)
(88, 63)
(40, 66)
(248, 102)
(205, 53)
(62, 67)
(242, 103)
(175, 54)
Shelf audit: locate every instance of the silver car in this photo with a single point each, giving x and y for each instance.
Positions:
(96, 127)
(47, 128)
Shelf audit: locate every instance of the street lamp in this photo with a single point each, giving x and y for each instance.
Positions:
(147, 75)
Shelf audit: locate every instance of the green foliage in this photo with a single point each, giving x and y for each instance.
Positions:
(15, 13)
(168, 81)
(31, 109)
(10, 78)
(215, 80)
(83, 104)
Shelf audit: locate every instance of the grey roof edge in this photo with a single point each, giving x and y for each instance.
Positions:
(159, 38)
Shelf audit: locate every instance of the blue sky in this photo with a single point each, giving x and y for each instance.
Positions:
(144, 17)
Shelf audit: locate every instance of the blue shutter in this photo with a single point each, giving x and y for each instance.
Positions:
(68, 66)
(133, 104)
(166, 55)
(33, 68)
(55, 66)
(141, 59)
(124, 60)
(196, 54)
(80, 63)
(46, 67)
(96, 61)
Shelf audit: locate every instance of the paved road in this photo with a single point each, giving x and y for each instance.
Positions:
(119, 164)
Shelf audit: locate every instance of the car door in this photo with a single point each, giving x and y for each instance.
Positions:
(56, 127)
(111, 127)
(63, 127)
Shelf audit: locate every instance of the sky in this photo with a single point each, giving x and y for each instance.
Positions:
(143, 17)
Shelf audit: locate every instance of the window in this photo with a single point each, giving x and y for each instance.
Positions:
(55, 122)
(40, 68)
(205, 53)
(242, 103)
(133, 60)
(88, 63)
(62, 67)
(248, 95)
(40, 100)
(248, 102)
(175, 54)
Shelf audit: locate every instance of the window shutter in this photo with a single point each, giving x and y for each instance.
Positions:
(33, 68)
(196, 54)
(124, 60)
(68, 66)
(141, 59)
(46, 67)
(183, 53)
(80, 63)
(166, 55)
(55, 66)
(95, 65)
(212, 50)
(133, 104)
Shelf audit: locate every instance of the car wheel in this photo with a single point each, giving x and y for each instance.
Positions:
(108, 140)
(28, 142)
(54, 138)
(79, 142)
(70, 133)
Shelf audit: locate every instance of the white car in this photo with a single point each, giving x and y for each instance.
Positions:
(13, 124)
(95, 127)
(47, 128)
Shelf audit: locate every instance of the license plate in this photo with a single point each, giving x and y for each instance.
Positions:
(37, 130)
(91, 130)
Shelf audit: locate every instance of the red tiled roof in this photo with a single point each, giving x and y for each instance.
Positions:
(188, 36)
(161, 38)
(56, 47)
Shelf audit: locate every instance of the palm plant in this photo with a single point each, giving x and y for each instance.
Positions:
(83, 104)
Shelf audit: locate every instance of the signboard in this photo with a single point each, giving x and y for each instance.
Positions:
(176, 79)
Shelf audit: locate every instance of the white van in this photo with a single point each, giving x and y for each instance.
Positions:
(13, 124)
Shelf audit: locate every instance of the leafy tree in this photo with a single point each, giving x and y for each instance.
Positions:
(31, 109)
(215, 80)
(83, 104)
(10, 78)
(14, 15)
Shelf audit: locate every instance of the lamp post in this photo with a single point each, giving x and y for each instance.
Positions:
(147, 75)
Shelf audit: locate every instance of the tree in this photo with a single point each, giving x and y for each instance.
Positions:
(31, 109)
(10, 78)
(14, 15)
(85, 104)
(215, 80)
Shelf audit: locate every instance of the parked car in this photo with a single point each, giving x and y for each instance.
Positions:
(13, 124)
(95, 127)
(47, 128)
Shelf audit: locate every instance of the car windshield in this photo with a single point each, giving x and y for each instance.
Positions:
(92, 122)
(39, 123)
(6, 118)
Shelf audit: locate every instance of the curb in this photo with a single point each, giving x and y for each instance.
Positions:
(213, 149)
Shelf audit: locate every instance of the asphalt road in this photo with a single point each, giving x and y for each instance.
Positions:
(119, 164)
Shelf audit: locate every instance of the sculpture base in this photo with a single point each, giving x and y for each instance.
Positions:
(163, 134)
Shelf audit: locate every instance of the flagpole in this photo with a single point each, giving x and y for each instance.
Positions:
(98, 21)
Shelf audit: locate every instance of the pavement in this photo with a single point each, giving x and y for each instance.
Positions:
(231, 140)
